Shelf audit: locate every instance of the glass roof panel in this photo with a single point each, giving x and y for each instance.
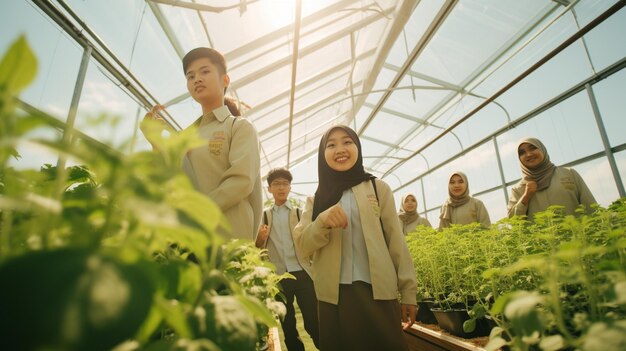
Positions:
(346, 49)
(58, 57)
(264, 87)
(413, 31)
(389, 127)
(455, 52)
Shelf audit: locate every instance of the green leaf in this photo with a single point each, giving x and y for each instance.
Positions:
(174, 314)
(495, 344)
(229, 324)
(18, 67)
(620, 293)
(498, 306)
(552, 343)
(469, 325)
(604, 337)
(523, 313)
(72, 299)
(495, 332)
(150, 324)
(259, 311)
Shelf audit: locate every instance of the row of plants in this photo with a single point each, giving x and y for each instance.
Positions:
(118, 253)
(557, 283)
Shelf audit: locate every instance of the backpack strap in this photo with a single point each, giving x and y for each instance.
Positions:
(230, 139)
(373, 180)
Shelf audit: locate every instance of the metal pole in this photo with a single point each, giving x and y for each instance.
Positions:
(71, 118)
(605, 140)
(424, 198)
(495, 145)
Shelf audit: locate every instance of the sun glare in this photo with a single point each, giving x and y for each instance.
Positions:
(282, 12)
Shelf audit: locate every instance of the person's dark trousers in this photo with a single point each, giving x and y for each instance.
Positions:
(301, 289)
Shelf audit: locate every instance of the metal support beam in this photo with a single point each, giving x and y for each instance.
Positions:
(68, 131)
(294, 71)
(167, 29)
(605, 140)
(307, 50)
(616, 7)
(444, 11)
(500, 168)
(202, 7)
(122, 74)
(607, 72)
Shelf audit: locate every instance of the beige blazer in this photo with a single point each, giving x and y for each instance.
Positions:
(567, 188)
(227, 169)
(390, 263)
(272, 250)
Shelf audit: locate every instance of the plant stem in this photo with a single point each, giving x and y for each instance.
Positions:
(555, 300)
(7, 222)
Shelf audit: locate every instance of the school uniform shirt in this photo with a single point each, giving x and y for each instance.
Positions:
(472, 211)
(390, 264)
(227, 169)
(281, 220)
(567, 188)
(410, 227)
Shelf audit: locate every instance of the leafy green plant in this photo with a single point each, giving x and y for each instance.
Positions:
(121, 252)
(546, 284)
(579, 262)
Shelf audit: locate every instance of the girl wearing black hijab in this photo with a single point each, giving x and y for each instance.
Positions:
(543, 184)
(360, 260)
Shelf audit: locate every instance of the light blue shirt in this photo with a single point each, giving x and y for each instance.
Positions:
(355, 263)
(280, 234)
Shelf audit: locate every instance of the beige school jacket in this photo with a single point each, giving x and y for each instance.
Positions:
(567, 188)
(272, 250)
(410, 227)
(227, 169)
(390, 263)
(473, 211)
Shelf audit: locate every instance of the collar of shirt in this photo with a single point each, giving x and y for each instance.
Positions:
(221, 113)
(286, 204)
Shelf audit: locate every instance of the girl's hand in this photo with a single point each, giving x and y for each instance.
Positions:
(531, 189)
(408, 313)
(334, 217)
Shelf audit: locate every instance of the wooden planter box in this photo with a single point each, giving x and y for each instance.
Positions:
(420, 338)
(273, 340)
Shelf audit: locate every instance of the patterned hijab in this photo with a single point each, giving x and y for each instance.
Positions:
(541, 174)
(333, 183)
(453, 201)
(407, 217)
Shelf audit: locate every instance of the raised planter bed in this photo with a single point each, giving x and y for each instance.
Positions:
(273, 340)
(426, 337)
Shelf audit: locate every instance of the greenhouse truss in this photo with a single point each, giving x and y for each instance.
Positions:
(105, 243)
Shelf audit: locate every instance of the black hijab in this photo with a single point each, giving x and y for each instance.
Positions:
(333, 183)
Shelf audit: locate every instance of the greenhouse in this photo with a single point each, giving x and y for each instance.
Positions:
(120, 229)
